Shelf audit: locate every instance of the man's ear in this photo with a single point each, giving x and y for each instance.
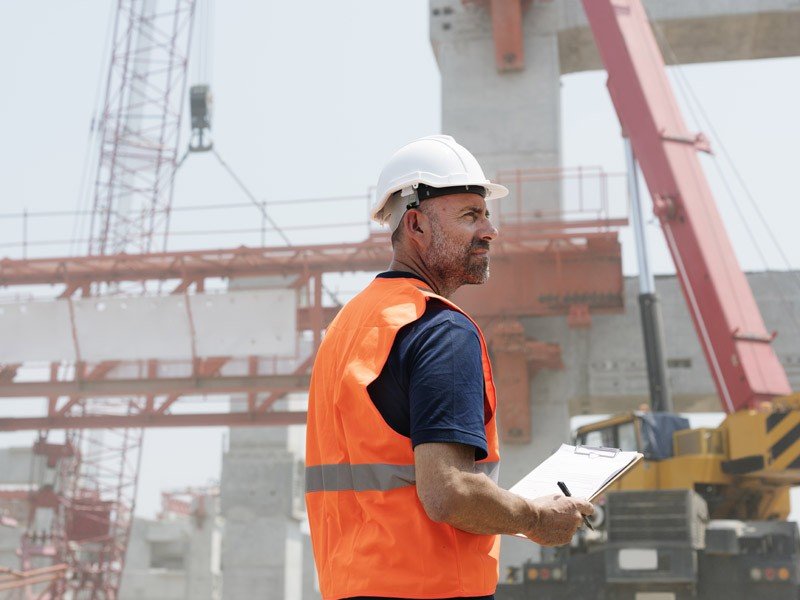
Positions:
(416, 222)
(416, 229)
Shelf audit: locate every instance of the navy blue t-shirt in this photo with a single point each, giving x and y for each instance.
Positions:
(431, 388)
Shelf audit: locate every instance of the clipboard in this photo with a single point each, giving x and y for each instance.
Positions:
(601, 450)
(618, 476)
(588, 471)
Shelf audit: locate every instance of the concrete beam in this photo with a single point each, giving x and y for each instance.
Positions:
(693, 32)
(684, 403)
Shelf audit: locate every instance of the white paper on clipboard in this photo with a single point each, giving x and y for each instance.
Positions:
(587, 471)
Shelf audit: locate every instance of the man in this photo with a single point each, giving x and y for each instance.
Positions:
(402, 446)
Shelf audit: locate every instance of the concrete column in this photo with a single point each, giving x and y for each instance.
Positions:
(202, 575)
(310, 584)
(256, 504)
(256, 501)
(509, 120)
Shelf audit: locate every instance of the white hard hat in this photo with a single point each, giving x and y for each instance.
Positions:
(435, 161)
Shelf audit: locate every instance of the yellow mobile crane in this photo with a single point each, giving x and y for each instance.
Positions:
(743, 469)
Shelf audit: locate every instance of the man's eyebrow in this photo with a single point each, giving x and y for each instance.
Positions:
(476, 209)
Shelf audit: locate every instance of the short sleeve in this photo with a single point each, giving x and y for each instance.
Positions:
(445, 384)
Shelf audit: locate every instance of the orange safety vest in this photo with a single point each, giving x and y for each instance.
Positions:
(370, 533)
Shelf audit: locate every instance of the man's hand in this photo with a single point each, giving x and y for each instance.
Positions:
(452, 492)
(558, 519)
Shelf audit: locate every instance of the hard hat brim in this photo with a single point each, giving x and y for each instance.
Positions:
(494, 191)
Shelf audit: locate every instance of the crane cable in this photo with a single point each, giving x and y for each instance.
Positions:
(203, 41)
(91, 154)
(202, 53)
(260, 206)
(251, 196)
(691, 97)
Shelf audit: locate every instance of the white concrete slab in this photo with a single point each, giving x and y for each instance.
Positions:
(35, 331)
(133, 328)
(244, 323)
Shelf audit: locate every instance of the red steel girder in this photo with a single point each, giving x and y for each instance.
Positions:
(12, 579)
(515, 358)
(729, 325)
(302, 368)
(198, 264)
(509, 47)
(208, 368)
(140, 420)
(372, 254)
(8, 372)
(98, 372)
(160, 385)
(550, 282)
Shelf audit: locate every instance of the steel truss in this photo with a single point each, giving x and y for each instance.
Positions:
(573, 266)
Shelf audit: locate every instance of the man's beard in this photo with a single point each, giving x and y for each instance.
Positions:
(456, 264)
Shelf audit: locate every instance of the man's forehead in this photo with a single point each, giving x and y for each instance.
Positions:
(462, 201)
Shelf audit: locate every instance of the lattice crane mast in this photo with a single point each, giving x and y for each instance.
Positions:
(82, 510)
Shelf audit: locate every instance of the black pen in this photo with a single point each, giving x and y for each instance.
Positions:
(563, 487)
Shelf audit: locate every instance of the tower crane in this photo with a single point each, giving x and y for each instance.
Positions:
(81, 510)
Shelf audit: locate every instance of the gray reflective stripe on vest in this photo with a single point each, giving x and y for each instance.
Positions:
(372, 477)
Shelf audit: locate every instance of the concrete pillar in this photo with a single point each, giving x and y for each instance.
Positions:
(508, 120)
(256, 504)
(256, 501)
(202, 572)
(310, 582)
(172, 559)
(304, 573)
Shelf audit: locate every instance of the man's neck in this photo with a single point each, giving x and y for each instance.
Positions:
(411, 266)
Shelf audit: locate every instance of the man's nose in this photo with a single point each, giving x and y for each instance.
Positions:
(489, 232)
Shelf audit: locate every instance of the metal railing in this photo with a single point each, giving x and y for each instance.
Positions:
(559, 197)
(562, 194)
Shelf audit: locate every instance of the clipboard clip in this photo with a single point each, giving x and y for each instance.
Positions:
(597, 451)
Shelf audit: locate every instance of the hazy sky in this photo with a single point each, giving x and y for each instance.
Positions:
(310, 99)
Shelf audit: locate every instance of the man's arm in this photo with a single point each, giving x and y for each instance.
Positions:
(451, 492)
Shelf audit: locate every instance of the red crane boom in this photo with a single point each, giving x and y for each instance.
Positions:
(730, 328)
